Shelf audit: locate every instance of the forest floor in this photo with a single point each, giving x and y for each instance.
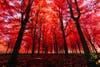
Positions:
(46, 60)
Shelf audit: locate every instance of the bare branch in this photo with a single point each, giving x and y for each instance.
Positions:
(77, 8)
(71, 11)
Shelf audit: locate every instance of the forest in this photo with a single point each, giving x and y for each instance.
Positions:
(49, 27)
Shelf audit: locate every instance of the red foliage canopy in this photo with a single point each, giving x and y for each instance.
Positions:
(46, 12)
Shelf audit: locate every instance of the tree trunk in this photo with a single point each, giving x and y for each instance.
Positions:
(46, 50)
(13, 59)
(44, 46)
(83, 41)
(79, 48)
(34, 36)
(90, 41)
(7, 49)
(34, 39)
(63, 35)
(8, 46)
(27, 52)
(39, 37)
(55, 42)
(76, 19)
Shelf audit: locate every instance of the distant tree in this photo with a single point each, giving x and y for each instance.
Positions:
(44, 46)
(39, 38)
(90, 40)
(78, 43)
(8, 47)
(34, 32)
(27, 48)
(55, 42)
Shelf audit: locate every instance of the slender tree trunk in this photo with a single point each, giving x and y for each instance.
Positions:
(75, 49)
(55, 42)
(39, 37)
(72, 49)
(34, 39)
(63, 34)
(93, 46)
(8, 46)
(7, 49)
(79, 48)
(34, 36)
(46, 50)
(43, 43)
(39, 46)
(13, 59)
(27, 51)
(90, 41)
